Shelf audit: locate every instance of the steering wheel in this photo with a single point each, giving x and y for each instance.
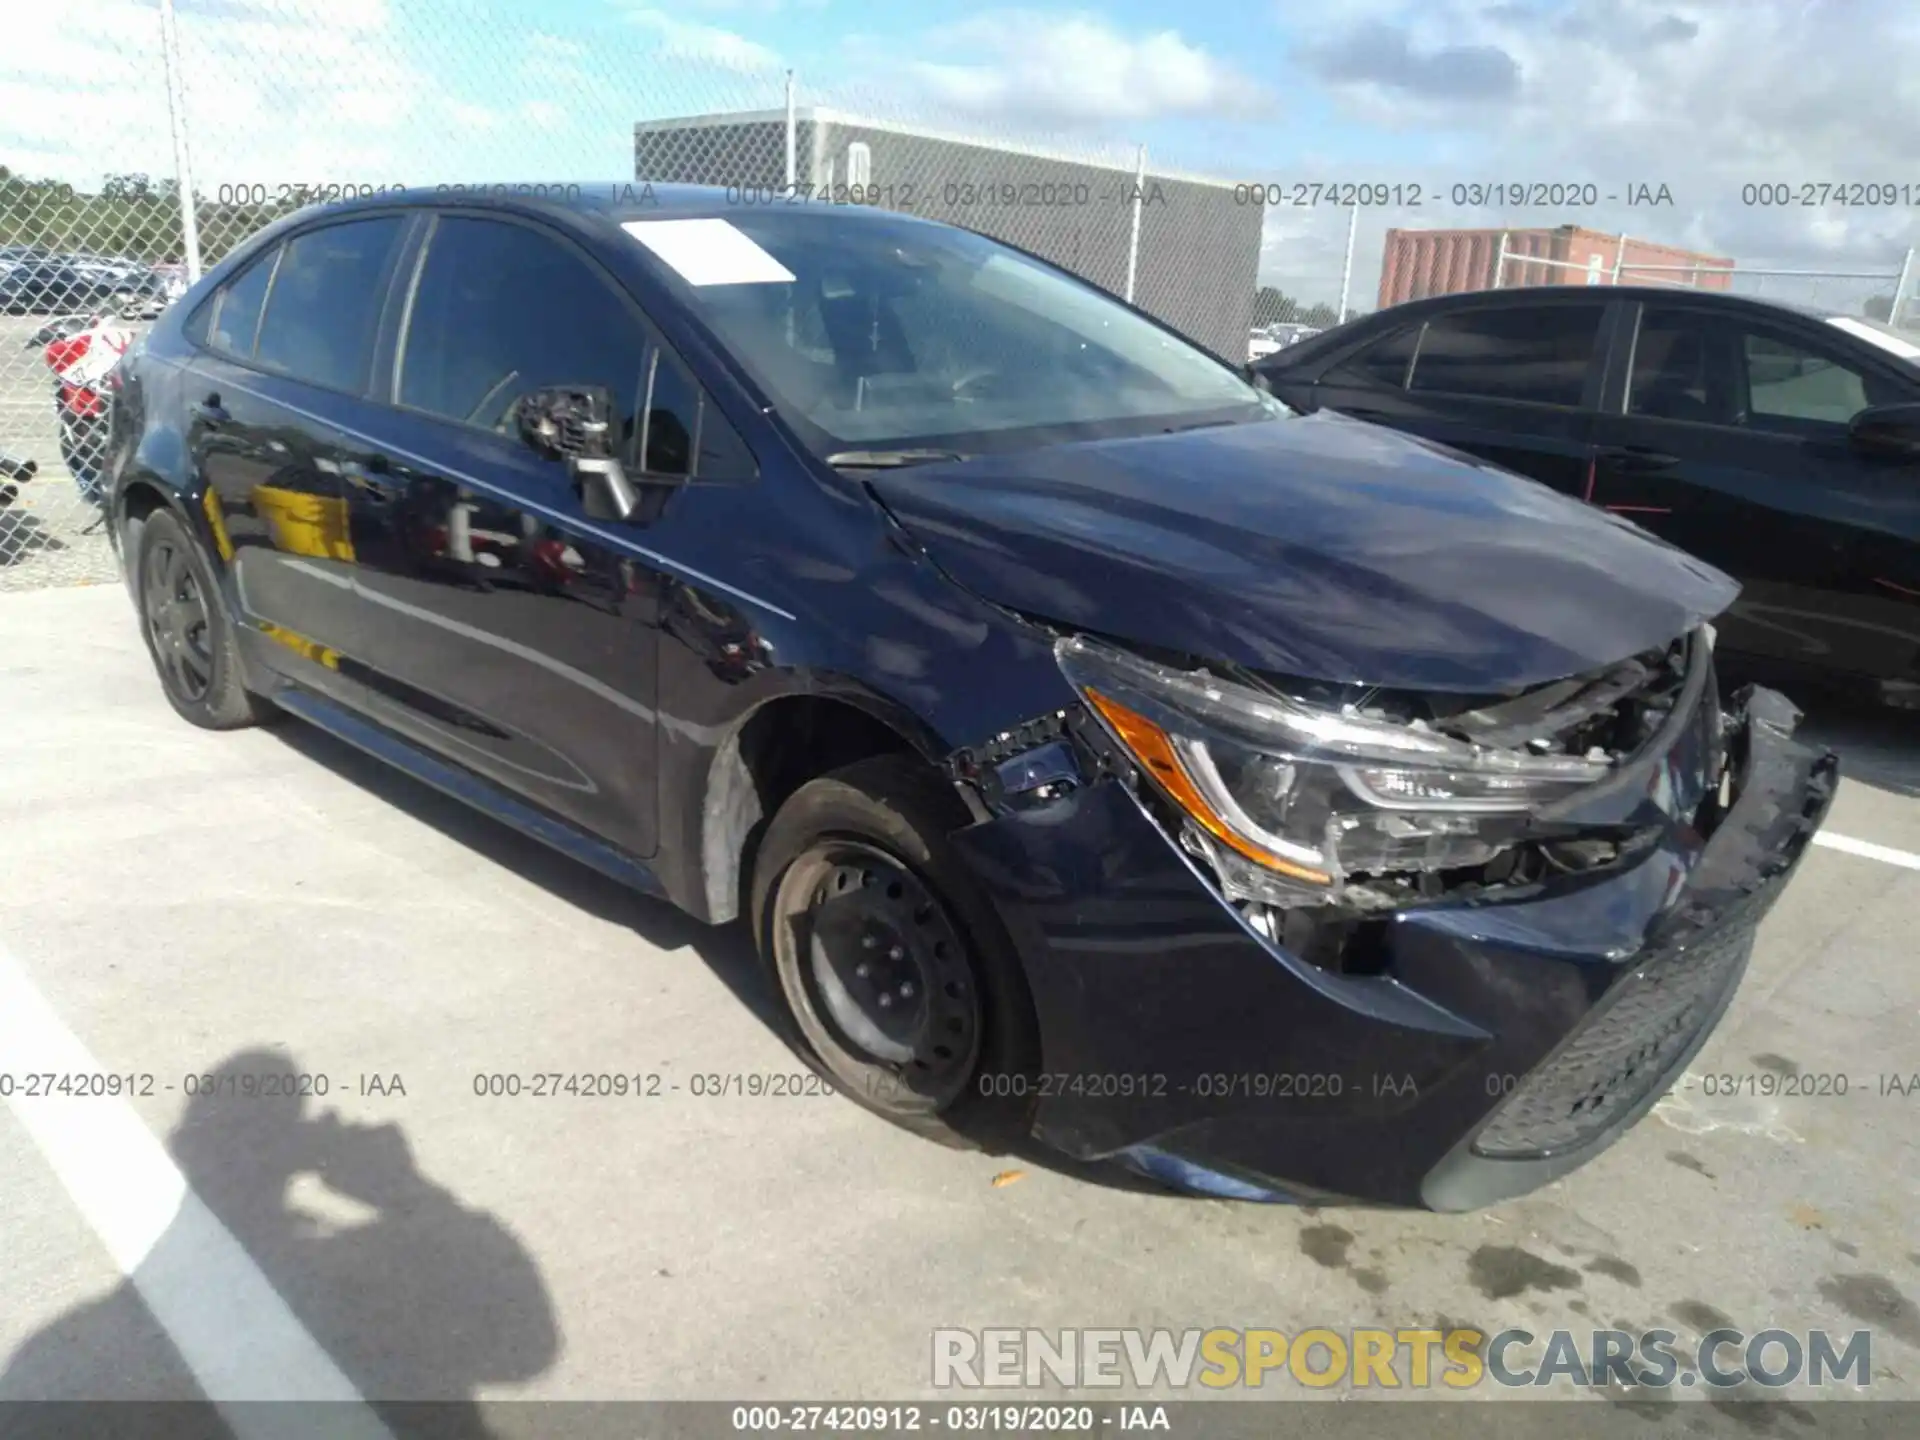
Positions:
(964, 382)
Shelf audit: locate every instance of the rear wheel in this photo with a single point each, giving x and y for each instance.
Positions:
(188, 634)
(898, 979)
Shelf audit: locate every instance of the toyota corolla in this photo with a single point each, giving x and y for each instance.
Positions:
(1099, 751)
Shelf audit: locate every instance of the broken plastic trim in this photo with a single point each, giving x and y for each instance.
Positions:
(1031, 764)
(1291, 799)
(1619, 721)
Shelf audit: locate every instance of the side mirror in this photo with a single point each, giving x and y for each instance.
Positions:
(575, 425)
(1256, 378)
(1891, 430)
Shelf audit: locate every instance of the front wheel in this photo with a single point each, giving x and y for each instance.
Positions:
(900, 983)
(187, 631)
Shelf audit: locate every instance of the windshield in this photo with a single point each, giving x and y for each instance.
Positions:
(871, 331)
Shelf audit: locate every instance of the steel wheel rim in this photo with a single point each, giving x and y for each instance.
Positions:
(178, 623)
(881, 969)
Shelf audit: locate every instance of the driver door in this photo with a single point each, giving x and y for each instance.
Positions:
(506, 629)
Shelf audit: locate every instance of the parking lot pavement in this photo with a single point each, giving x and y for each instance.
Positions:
(176, 902)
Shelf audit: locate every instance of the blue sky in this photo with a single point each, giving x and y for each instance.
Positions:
(1703, 96)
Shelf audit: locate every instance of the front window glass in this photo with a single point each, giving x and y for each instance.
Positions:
(1797, 389)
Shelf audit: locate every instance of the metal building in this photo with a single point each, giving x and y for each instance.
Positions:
(1188, 248)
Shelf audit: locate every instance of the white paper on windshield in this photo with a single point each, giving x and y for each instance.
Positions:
(709, 252)
(1875, 336)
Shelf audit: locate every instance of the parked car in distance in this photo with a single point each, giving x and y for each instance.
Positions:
(54, 285)
(1292, 333)
(1097, 750)
(1265, 340)
(131, 288)
(1781, 445)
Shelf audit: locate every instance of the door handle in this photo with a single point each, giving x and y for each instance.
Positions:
(211, 413)
(1636, 459)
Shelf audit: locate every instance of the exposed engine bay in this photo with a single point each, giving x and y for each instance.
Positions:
(1393, 847)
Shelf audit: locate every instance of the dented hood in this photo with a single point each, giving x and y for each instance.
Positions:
(1316, 546)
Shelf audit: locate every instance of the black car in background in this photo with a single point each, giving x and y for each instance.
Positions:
(1779, 444)
(1097, 749)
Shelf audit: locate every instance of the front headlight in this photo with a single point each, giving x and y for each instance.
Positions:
(1291, 800)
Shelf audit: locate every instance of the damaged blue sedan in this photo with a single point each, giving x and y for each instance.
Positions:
(1101, 753)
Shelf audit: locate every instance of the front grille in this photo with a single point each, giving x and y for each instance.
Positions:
(1630, 1040)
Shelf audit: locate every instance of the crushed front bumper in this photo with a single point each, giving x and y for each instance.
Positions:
(1504, 1041)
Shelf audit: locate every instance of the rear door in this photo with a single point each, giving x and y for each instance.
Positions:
(273, 398)
(1726, 433)
(1511, 382)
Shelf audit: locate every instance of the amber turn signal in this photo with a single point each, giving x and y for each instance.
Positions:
(1151, 747)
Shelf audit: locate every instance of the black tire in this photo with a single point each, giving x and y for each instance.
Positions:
(187, 631)
(861, 856)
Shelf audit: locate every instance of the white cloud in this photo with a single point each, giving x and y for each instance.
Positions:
(709, 44)
(1075, 69)
(356, 16)
(479, 119)
(1702, 95)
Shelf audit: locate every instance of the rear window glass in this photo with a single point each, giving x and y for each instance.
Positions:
(325, 303)
(1539, 354)
(1383, 363)
(237, 313)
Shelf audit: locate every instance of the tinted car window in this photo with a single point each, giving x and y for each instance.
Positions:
(238, 312)
(1674, 369)
(502, 309)
(684, 431)
(1539, 354)
(1797, 388)
(1383, 363)
(672, 418)
(325, 303)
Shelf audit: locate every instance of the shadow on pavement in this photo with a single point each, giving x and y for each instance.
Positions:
(726, 950)
(412, 1295)
(22, 534)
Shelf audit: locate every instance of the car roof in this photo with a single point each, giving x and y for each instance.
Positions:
(1517, 296)
(1565, 294)
(614, 200)
(1573, 294)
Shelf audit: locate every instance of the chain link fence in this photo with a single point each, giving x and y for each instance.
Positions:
(1887, 296)
(141, 140)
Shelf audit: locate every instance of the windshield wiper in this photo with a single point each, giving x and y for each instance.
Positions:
(891, 459)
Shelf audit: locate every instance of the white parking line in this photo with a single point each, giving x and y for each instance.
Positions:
(1846, 843)
(229, 1324)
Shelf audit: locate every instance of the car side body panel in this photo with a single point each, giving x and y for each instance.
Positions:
(1824, 540)
(797, 586)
